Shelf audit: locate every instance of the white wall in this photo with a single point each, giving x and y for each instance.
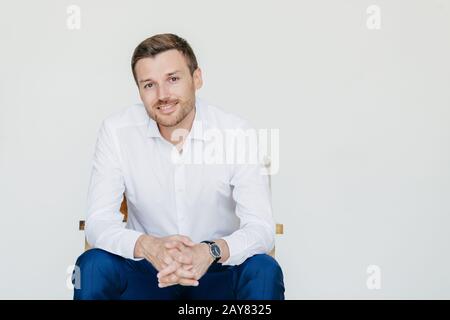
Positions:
(363, 116)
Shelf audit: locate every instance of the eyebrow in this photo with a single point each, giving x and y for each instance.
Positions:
(168, 74)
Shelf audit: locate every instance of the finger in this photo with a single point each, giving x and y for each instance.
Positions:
(167, 259)
(164, 285)
(168, 270)
(183, 257)
(171, 278)
(188, 282)
(186, 256)
(175, 254)
(179, 257)
(173, 244)
(186, 260)
(185, 240)
(183, 273)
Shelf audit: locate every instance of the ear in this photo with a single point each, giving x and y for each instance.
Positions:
(197, 76)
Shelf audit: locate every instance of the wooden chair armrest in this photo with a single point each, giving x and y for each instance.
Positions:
(279, 228)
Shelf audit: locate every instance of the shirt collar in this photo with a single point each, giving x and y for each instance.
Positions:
(198, 126)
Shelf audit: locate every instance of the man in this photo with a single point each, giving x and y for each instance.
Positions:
(195, 229)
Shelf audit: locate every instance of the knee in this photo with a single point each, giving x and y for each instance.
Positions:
(260, 278)
(96, 275)
(263, 264)
(95, 259)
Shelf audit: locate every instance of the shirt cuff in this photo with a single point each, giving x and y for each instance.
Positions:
(235, 248)
(128, 242)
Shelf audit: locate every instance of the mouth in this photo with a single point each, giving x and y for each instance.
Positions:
(168, 108)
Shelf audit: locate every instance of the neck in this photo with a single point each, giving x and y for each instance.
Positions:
(185, 125)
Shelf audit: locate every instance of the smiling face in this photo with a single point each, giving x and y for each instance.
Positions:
(167, 87)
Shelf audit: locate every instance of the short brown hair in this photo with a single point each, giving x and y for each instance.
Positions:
(150, 47)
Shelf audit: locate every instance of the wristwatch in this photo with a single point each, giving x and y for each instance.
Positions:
(214, 249)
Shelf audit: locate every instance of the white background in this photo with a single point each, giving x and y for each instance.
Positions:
(363, 116)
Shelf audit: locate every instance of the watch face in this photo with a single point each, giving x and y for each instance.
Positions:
(215, 250)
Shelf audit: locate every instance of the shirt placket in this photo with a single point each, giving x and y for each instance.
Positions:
(180, 192)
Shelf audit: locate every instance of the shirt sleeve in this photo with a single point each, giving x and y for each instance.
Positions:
(104, 227)
(256, 234)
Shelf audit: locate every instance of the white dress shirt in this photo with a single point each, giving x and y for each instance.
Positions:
(168, 195)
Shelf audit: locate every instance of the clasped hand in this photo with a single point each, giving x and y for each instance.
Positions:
(178, 260)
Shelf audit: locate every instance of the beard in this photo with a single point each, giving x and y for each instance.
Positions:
(183, 108)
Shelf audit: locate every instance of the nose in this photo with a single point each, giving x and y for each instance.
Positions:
(163, 92)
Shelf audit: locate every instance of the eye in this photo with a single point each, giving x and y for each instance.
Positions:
(174, 79)
(148, 85)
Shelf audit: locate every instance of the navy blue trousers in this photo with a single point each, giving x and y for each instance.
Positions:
(103, 275)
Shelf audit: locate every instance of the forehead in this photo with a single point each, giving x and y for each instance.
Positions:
(161, 64)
